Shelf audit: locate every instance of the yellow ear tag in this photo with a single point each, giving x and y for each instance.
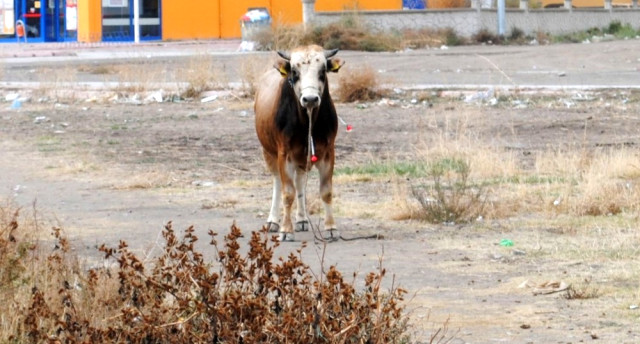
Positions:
(283, 70)
(335, 65)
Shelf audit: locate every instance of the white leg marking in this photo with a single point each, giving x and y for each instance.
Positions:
(276, 200)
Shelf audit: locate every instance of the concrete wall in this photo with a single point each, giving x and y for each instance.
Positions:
(468, 21)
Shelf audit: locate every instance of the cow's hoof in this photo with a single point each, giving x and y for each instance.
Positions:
(273, 227)
(302, 226)
(286, 237)
(330, 235)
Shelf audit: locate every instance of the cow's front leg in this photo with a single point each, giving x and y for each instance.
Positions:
(274, 214)
(302, 224)
(325, 170)
(287, 173)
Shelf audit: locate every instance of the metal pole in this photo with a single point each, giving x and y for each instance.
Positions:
(501, 17)
(136, 21)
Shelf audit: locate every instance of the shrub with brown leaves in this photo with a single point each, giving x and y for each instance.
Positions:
(179, 297)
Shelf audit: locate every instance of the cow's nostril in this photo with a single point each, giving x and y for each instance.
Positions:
(310, 100)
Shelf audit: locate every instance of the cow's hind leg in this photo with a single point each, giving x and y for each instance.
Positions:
(302, 223)
(325, 170)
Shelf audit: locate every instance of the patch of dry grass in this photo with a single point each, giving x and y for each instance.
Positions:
(201, 74)
(561, 182)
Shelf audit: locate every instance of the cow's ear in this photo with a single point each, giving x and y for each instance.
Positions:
(284, 67)
(333, 65)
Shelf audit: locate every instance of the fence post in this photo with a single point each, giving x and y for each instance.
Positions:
(524, 5)
(607, 5)
(476, 4)
(308, 11)
(634, 4)
(568, 5)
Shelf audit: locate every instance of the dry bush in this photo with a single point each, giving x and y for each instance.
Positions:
(582, 292)
(605, 183)
(179, 297)
(251, 68)
(359, 84)
(351, 33)
(137, 77)
(201, 75)
(450, 197)
(282, 37)
(426, 37)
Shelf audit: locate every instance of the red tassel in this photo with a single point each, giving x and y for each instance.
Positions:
(314, 158)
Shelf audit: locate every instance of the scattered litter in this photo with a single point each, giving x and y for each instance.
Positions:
(16, 104)
(633, 307)
(244, 113)
(209, 99)
(506, 243)
(561, 74)
(444, 47)
(519, 253)
(64, 124)
(497, 256)
(203, 183)
(550, 287)
(385, 101)
(557, 201)
(582, 97)
(40, 119)
(154, 97)
(479, 96)
(11, 97)
(398, 91)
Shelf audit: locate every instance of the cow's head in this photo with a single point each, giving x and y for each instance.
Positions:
(306, 71)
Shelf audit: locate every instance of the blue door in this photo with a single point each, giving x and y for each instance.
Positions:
(46, 20)
(413, 4)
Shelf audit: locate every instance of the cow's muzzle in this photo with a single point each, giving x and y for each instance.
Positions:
(310, 98)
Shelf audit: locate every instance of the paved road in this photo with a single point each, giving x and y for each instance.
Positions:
(612, 64)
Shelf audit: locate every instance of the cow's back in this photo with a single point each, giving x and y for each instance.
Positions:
(266, 104)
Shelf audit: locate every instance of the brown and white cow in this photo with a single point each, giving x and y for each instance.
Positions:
(290, 100)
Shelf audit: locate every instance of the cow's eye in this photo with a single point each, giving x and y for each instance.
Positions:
(295, 75)
(322, 74)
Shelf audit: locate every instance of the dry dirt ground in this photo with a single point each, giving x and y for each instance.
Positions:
(106, 171)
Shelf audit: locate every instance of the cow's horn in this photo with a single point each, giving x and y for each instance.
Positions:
(285, 55)
(330, 53)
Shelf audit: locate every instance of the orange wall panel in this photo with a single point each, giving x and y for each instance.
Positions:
(340, 5)
(287, 12)
(200, 19)
(89, 20)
